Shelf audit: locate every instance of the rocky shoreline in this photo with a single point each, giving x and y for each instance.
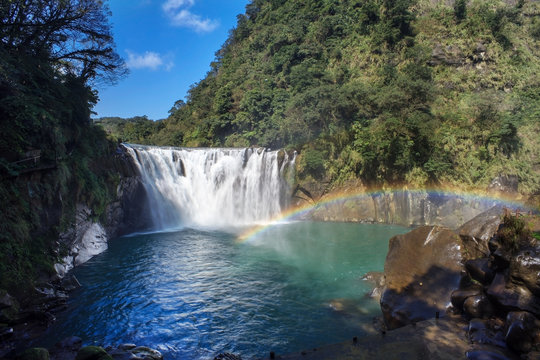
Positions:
(470, 293)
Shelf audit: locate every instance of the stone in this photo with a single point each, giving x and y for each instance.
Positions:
(422, 269)
(70, 283)
(92, 353)
(146, 353)
(520, 329)
(478, 306)
(511, 296)
(480, 332)
(376, 279)
(459, 296)
(476, 233)
(34, 354)
(525, 269)
(93, 242)
(480, 270)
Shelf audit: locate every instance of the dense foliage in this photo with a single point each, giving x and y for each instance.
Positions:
(50, 53)
(388, 91)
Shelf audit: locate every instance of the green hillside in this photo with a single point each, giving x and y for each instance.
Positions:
(386, 91)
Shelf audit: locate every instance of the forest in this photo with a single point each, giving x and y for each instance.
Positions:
(417, 92)
(52, 54)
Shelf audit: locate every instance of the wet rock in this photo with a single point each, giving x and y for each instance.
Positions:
(476, 233)
(478, 306)
(133, 352)
(127, 347)
(480, 332)
(511, 296)
(376, 279)
(525, 269)
(34, 354)
(70, 283)
(459, 296)
(480, 270)
(92, 353)
(419, 278)
(146, 353)
(520, 330)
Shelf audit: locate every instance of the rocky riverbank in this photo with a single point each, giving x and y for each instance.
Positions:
(469, 293)
(25, 317)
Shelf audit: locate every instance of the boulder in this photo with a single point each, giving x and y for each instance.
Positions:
(134, 352)
(525, 269)
(422, 269)
(376, 279)
(476, 233)
(511, 296)
(520, 330)
(478, 306)
(480, 270)
(92, 353)
(479, 332)
(459, 296)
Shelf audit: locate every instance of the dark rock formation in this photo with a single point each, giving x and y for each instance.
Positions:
(398, 207)
(506, 292)
(476, 233)
(92, 353)
(521, 327)
(419, 280)
(510, 296)
(480, 270)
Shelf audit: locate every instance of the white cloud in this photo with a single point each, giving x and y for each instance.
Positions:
(149, 60)
(180, 15)
(173, 5)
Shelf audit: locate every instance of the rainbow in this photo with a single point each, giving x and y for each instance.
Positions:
(299, 212)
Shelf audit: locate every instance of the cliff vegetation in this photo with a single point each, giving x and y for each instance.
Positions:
(51, 54)
(428, 93)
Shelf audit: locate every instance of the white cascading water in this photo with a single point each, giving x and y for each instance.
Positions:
(213, 187)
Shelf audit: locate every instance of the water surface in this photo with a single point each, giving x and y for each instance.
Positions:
(192, 294)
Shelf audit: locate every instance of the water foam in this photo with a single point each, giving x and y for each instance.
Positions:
(213, 188)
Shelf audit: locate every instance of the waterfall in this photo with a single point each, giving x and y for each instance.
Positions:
(213, 187)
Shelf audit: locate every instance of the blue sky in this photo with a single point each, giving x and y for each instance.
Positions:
(168, 45)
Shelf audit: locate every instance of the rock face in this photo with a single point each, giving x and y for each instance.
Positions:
(506, 289)
(401, 207)
(476, 233)
(129, 212)
(84, 239)
(87, 238)
(419, 280)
